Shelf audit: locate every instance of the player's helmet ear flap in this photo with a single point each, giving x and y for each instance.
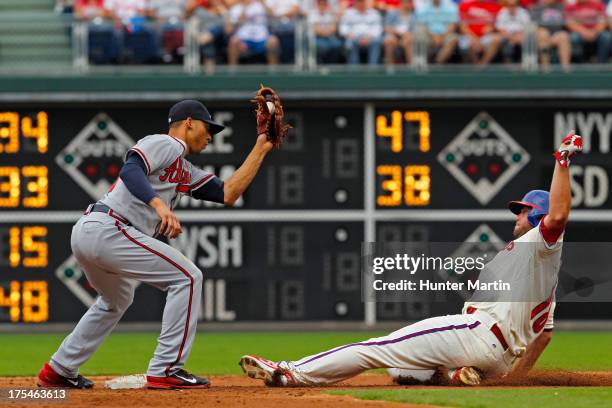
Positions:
(537, 201)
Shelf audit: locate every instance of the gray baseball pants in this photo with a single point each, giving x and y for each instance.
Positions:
(115, 257)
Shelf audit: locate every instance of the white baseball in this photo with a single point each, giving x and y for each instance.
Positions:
(270, 107)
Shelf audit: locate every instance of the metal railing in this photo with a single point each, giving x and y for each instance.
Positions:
(76, 35)
(529, 49)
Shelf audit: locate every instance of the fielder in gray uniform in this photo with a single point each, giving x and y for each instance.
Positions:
(114, 242)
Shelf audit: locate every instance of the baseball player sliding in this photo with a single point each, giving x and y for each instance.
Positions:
(489, 338)
(114, 242)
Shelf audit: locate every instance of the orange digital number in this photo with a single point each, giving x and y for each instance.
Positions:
(39, 186)
(28, 246)
(415, 189)
(40, 247)
(35, 301)
(35, 182)
(10, 186)
(417, 181)
(11, 299)
(40, 132)
(424, 128)
(395, 129)
(14, 244)
(393, 185)
(9, 129)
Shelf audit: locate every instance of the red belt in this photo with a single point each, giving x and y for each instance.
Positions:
(494, 329)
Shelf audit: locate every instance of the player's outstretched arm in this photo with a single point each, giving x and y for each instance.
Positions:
(272, 131)
(238, 182)
(560, 193)
(534, 351)
(560, 198)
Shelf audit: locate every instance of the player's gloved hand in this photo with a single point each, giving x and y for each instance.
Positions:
(270, 116)
(570, 146)
(169, 226)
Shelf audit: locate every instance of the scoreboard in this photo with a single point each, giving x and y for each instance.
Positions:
(426, 171)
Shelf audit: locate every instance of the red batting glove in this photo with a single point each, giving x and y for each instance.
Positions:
(570, 146)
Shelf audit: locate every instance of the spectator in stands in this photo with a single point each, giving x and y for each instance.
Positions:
(528, 4)
(103, 37)
(141, 42)
(284, 19)
(323, 24)
(212, 39)
(398, 32)
(551, 33)
(168, 11)
(339, 6)
(511, 22)
(88, 10)
(440, 18)
(587, 23)
(127, 12)
(479, 42)
(65, 6)
(385, 6)
(170, 15)
(248, 25)
(362, 29)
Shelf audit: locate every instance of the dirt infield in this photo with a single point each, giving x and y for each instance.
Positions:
(239, 391)
(557, 378)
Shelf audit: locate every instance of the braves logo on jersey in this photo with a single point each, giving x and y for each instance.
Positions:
(176, 174)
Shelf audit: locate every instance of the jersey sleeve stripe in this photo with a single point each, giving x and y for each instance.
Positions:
(550, 235)
(541, 307)
(144, 158)
(201, 182)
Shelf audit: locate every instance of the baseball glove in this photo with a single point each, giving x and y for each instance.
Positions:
(270, 116)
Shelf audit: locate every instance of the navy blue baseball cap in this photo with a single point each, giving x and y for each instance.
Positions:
(193, 109)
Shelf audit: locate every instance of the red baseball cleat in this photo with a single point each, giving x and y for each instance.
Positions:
(181, 379)
(47, 377)
(273, 374)
(465, 376)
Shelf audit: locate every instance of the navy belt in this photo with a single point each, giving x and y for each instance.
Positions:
(103, 208)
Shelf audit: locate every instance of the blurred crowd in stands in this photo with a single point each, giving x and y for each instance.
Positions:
(346, 31)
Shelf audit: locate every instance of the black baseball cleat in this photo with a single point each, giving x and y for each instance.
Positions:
(180, 379)
(48, 378)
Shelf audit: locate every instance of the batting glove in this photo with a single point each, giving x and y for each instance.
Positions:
(570, 146)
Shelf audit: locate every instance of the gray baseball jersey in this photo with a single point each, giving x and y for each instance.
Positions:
(169, 174)
(117, 250)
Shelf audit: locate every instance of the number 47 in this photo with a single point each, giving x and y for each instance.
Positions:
(394, 129)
